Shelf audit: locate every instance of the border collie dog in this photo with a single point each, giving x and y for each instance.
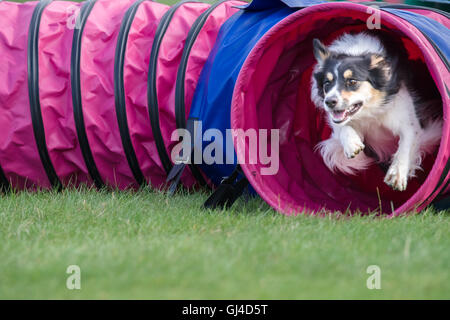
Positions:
(366, 87)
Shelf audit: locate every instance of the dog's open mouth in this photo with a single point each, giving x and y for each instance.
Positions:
(340, 116)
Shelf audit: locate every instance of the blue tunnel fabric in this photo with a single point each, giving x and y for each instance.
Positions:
(212, 99)
(436, 32)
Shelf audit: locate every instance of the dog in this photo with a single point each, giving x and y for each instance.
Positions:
(367, 87)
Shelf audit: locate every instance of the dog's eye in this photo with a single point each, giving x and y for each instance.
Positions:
(351, 82)
(326, 85)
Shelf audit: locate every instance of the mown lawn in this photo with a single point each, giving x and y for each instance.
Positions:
(147, 245)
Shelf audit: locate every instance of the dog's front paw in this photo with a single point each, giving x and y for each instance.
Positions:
(353, 148)
(397, 177)
(351, 142)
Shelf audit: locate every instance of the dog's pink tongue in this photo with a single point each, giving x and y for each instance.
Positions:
(339, 115)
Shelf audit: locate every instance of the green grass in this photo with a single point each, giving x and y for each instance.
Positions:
(147, 245)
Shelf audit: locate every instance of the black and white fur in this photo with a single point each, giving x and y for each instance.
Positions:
(367, 92)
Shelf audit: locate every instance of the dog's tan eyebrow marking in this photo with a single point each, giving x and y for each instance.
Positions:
(348, 73)
(329, 76)
(375, 60)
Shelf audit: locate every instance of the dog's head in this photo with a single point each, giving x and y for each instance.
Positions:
(348, 86)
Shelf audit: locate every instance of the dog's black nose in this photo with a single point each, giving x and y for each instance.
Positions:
(331, 102)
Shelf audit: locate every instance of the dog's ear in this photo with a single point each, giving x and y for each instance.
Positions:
(380, 70)
(320, 51)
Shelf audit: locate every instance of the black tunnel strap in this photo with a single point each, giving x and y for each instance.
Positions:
(175, 174)
(119, 90)
(442, 204)
(229, 190)
(180, 103)
(152, 95)
(439, 184)
(4, 183)
(33, 90)
(76, 93)
(444, 187)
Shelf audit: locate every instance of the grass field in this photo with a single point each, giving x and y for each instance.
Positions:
(146, 245)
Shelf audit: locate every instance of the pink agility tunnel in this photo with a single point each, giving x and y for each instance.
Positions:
(272, 91)
(88, 89)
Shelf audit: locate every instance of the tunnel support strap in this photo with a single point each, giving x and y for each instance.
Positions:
(33, 91)
(230, 189)
(119, 92)
(4, 183)
(152, 94)
(76, 94)
(442, 204)
(185, 157)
